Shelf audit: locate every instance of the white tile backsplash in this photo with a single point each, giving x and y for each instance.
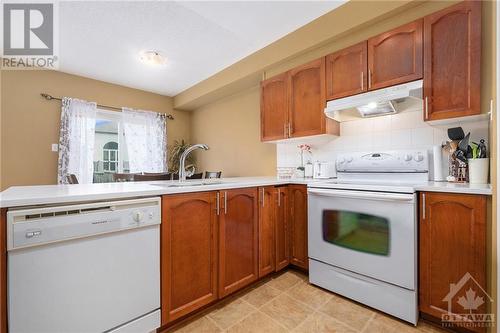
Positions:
(405, 130)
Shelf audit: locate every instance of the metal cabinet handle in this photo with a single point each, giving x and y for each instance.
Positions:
(362, 80)
(263, 197)
(289, 130)
(423, 206)
(218, 203)
(284, 130)
(225, 202)
(426, 108)
(279, 197)
(369, 78)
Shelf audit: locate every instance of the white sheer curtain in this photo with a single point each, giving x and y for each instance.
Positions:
(76, 140)
(146, 138)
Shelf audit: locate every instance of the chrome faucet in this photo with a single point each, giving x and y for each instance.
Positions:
(185, 153)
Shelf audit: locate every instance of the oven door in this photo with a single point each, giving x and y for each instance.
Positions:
(370, 233)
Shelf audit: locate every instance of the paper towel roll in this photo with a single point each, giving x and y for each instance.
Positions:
(438, 163)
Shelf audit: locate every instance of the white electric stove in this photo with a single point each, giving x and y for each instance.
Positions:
(362, 230)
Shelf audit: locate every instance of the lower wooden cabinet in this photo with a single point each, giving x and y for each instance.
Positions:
(282, 229)
(452, 254)
(297, 219)
(238, 239)
(188, 253)
(267, 221)
(216, 243)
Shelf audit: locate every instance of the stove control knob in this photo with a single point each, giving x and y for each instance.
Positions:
(349, 159)
(407, 157)
(419, 157)
(137, 216)
(341, 160)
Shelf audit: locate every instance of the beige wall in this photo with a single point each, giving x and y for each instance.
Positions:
(30, 124)
(231, 128)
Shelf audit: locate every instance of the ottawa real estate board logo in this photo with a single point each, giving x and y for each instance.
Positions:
(29, 35)
(468, 305)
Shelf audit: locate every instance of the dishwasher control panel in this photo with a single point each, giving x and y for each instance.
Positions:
(38, 226)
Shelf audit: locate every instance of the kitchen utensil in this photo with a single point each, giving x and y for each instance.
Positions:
(464, 143)
(456, 133)
(469, 152)
(460, 155)
(475, 150)
(482, 149)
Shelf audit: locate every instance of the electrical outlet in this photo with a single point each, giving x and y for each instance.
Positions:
(55, 147)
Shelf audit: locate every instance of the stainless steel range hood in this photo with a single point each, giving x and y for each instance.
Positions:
(376, 103)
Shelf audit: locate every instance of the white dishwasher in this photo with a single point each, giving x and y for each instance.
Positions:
(85, 268)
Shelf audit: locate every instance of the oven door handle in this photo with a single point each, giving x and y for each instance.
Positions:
(364, 195)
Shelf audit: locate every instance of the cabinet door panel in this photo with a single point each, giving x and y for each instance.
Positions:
(395, 57)
(238, 240)
(298, 225)
(282, 229)
(267, 219)
(307, 99)
(452, 61)
(189, 253)
(452, 245)
(346, 72)
(274, 108)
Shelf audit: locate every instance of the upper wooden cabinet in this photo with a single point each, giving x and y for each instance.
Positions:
(452, 251)
(395, 57)
(293, 103)
(307, 99)
(238, 239)
(346, 72)
(188, 253)
(274, 108)
(297, 200)
(452, 61)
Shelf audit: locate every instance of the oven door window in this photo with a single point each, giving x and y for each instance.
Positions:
(357, 231)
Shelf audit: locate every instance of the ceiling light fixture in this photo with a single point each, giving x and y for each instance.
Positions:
(153, 58)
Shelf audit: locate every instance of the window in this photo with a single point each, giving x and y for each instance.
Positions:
(110, 157)
(110, 151)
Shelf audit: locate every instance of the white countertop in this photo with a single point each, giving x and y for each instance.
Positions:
(18, 196)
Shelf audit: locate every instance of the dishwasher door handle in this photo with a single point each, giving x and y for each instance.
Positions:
(381, 196)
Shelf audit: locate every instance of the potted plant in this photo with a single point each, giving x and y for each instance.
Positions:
(174, 156)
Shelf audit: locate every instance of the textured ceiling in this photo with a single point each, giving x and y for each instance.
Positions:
(102, 39)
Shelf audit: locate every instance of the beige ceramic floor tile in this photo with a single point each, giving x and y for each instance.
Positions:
(310, 295)
(231, 313)
(347, 312)
(287, 311)
(284, 281)
(257, 322)
(321, 323)
(386, 324)
(261, 295)
(299, 274)
(200, 325)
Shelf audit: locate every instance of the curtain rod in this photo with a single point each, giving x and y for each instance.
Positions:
(49, 98)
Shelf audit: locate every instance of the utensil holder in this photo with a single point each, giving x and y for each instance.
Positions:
(478, 170)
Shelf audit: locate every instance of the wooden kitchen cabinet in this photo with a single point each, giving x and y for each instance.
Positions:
(307, 99)
(347, 72)
(395, 57)
(238, 239)
(188, 253)
(282, 229)
(297, 200)
(3, 270)
(267, 220)
(274, 108)
(452, 245)
(293, 103)
(452, 61)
